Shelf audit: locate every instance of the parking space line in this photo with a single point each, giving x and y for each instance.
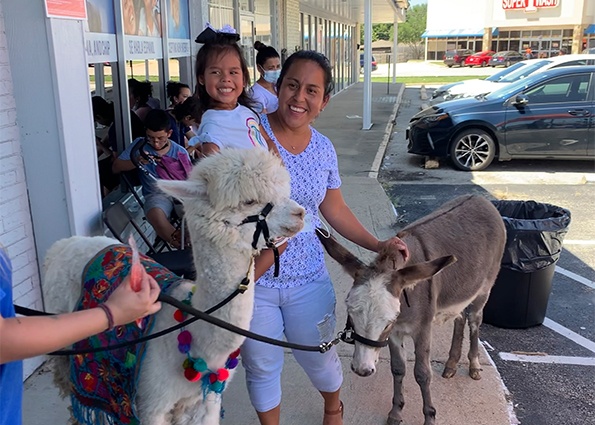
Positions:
(567, 360)
(576, 277)
(571, 335)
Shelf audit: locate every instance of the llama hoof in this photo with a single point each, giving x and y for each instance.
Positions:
(449, 372)
(474, 374)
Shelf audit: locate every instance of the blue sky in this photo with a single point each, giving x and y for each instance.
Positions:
(416, 2)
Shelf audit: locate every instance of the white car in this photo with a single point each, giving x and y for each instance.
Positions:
(472, 88)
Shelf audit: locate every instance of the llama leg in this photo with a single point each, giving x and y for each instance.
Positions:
(398, 367)
(456, 347)
(475, 318)
(423, 371)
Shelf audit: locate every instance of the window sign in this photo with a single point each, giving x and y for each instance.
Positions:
(142, 29)
(178, 28)
(528, 5)
(100, 35)
(72, 9)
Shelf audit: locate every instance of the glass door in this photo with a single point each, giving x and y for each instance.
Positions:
(247, 43)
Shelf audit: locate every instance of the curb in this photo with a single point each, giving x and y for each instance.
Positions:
(373, 174)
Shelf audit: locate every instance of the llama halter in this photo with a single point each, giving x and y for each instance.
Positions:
(196, 368)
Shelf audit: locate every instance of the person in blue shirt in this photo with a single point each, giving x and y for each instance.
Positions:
(168, 160)
(24, 337)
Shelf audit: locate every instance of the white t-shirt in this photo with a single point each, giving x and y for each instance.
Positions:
(268, 100)
(238, 128)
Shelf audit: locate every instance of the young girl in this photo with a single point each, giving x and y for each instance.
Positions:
(229, 119)
(264, 91)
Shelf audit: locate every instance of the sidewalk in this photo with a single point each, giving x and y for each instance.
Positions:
(459, 400)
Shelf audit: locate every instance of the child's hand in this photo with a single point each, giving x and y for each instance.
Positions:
(128, 305)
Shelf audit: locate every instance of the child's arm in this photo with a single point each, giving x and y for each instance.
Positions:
(209, 149)
(23, 337)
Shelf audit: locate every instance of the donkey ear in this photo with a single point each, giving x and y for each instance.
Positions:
(411, 275)
(182, 189)
(350, 262)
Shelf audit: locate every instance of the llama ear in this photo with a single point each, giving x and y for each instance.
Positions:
(182, 189)
(411, 275)
(341, 255)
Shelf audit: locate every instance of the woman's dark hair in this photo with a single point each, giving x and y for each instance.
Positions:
(157, 120)
(103, 108)
(191, 106)
(264, 53)
(211, 51)
(173, 89)
(318, 58)
(141, 90)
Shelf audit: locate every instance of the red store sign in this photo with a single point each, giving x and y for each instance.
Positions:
(528, 4)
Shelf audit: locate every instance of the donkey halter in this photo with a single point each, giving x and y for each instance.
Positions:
(349, 336)
(262, 227)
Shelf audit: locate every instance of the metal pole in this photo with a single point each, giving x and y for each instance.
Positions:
(367, 120)
(395, 47)
(388, 75)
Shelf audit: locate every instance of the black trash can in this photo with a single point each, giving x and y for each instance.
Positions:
(534, 236)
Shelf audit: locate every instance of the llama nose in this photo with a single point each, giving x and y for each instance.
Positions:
(301, 213)
(365, 371)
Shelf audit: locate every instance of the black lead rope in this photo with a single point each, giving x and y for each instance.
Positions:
(261, 227)
(29, 312)
(199, 315)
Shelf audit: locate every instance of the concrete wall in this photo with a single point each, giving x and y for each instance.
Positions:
(16, 229)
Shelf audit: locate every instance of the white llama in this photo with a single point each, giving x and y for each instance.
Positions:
(221, 192)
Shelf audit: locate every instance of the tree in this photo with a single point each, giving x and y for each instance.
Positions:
(410, 31)
(414, 26)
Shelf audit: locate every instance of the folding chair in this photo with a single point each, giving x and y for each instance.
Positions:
(117, 218)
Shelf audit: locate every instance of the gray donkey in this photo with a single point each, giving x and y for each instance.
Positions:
(455, 257)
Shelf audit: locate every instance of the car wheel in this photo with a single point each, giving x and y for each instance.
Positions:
(507, 64)
(483, 64)
(450, 66)
(462, 63)
(472, 150)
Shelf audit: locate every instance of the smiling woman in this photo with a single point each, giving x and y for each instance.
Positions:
(307, 311)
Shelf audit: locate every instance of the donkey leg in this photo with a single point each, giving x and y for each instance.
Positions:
(475, 317)
(398, 367)
(456, 347)
(423, 371)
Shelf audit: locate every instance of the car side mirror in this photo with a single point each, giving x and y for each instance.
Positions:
(520, 100)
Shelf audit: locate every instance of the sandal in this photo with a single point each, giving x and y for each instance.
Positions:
(335, 412)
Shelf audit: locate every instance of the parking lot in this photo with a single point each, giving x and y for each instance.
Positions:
(548, 369)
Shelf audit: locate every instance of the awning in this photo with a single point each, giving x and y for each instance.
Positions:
(590, 29)
(462, 32)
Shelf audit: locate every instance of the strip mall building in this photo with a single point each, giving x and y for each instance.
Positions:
(544, 26)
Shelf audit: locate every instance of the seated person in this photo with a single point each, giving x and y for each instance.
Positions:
(163, 159)
(186, 115)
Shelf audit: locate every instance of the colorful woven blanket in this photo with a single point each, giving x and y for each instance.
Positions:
(104, 383)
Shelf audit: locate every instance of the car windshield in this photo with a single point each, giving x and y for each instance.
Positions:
(524, 71)
(499, 75)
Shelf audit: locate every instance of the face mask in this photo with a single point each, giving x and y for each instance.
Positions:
(272, 76)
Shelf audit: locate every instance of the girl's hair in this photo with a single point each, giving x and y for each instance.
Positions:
(210, 52)
(313, 56)
(264, 53)
(191, 106)
(102, 107)
(173, 89)
(141, 90)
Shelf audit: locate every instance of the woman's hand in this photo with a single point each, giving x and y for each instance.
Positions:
(395, 243)
(127, 305)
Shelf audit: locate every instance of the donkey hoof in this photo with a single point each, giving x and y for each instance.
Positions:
(393, 421)
(474, 374)
(449, 372)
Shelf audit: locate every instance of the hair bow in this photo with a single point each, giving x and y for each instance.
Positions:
(225, 34)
